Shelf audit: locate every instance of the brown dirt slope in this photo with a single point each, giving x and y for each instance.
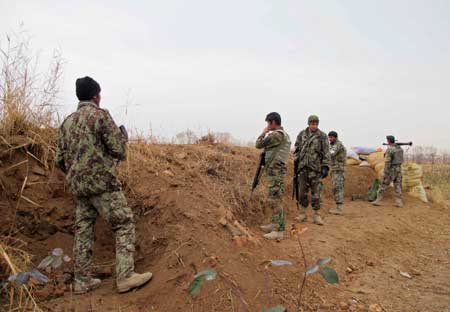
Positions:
(183, 195)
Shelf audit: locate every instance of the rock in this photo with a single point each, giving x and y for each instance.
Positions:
(169, 173)
(181, 155)
(375, 308)
(352, 302)
(370, 263)
(349, 270)
(344, 306)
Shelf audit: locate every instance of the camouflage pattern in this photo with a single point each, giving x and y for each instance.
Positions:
(312, 151)
(88, 145)
(338, 158)
(310, 180)
(338, 181)
(338, 155)
(277, 146)
(112, 207)
(392, 170)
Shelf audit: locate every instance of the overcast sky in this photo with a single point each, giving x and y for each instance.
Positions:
(367, 68)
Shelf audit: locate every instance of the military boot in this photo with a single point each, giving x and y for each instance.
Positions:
(274, 235)
(133, 281)
(339, 210)
(82, 287)
(317, 219)
(399, 202)
(302, 217)
(267, 228)
(377, 202)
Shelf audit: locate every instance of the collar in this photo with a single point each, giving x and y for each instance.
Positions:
(87, 103)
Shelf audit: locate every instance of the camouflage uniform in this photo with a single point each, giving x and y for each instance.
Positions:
(338, 157)
(89, 145)
(277, 146)
(312, 151)
(392, 171)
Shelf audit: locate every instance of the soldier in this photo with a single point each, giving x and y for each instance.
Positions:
(392, 172)
(312, 154)
(338, 157)
(276, 144)
(89, 145)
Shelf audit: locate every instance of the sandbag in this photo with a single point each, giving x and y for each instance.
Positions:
(379, 169)
(419, 192)
(412, 175)
(375, 158)
(364, 149)
(352, 154)
(412, 181)
(352, 162)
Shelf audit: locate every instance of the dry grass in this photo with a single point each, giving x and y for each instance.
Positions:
(28, 99)
(27, 122)
(437, 180)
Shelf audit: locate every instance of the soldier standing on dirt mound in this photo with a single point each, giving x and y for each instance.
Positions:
(276, 144)
(392, 172)
(312, 157)
(89, 145)
(338, 157)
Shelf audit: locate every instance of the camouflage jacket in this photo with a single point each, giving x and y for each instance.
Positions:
(277, 145)
(312, 150)
(89, 143)
(338, 155)
(393, 156)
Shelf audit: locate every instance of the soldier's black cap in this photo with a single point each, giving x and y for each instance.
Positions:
(274, 117)
(390, 138)
(86, 88)
(333, 134)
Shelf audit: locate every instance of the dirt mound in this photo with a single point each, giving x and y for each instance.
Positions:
(193, 209)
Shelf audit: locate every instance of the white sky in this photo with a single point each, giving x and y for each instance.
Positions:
(367, 68)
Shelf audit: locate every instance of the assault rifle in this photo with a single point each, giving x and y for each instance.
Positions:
(401, 143)
(261, 164)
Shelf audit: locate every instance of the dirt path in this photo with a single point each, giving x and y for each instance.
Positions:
(379, 243)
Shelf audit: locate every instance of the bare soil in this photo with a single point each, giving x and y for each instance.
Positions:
(183, 195)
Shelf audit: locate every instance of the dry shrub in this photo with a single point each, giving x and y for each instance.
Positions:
(28, 119)
(28, 98)
(437, 179)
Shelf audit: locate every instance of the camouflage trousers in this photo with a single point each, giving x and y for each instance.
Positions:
(310, 180)
(275, 178)
(393, 174)
(338, 181)
(113, 207)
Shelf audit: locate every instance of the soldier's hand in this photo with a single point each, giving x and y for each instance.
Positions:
(325, 171)
(264, 132)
